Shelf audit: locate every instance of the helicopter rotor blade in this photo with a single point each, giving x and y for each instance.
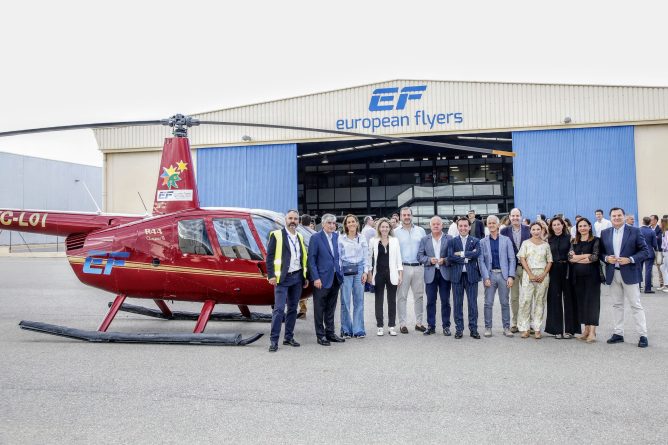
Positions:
(79, 127)
(180, 122)
(367, 136)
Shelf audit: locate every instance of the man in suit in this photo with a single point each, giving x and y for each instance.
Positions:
(518, 233)
(477, 229)
(286, 271)
(323, 264)
(498, 273)
(654, 225)
(650, 239)
(463, 258)
(432, 253)
(623, 249)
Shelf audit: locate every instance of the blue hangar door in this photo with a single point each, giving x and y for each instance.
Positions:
(575, 171)
(255, 176)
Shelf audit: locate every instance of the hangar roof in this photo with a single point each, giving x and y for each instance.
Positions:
(415, 108)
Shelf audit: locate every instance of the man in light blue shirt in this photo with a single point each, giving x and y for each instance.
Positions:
(409, 236)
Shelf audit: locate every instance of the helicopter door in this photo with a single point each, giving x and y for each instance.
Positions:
(240, 252)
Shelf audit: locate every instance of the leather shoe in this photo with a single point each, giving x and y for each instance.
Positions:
(650, 292)
(419, 327)
(273, 346)
(643, 343)
(429, 331)
(403, 330)
(514, 330)
(615, 339)
(324, 342)
(335, 338)
(458, 335)
(301, 316)
(291, 342)
(446, 332)
(475, 335)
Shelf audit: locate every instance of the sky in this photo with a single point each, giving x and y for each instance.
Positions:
(73, 62)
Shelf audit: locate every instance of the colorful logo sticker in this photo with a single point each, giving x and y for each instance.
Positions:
(170, 176)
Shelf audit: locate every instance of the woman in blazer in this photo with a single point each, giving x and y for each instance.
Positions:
(386, 271)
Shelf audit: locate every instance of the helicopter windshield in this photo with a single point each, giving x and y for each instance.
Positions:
(264, 226)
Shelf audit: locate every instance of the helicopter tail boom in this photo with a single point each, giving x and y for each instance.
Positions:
(59, 223)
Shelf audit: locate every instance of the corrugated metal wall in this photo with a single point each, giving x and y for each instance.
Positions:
(484, 106)
(575, 171)
(43, 184)
(260, 176)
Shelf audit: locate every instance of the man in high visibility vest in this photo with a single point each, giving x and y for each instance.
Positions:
(286, 271)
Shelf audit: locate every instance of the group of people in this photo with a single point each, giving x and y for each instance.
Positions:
(536, 268)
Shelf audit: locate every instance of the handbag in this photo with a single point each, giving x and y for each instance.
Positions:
(658, 258)
(350, 269)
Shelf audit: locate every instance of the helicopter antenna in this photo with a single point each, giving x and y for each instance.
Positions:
(142, 202)
(90, 194)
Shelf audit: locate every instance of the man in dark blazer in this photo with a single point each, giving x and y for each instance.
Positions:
(623, 249)
(436, 274)
(650, 239)
(325, 270)
(518, 233)
(286, 271)
(477, 227)
(463, 257)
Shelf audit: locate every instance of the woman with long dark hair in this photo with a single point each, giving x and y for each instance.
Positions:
(562, 314)
(586, 278)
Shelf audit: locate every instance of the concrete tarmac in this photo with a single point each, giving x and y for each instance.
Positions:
(408, 388)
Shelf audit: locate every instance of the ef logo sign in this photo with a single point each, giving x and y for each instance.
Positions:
(383, 99)
(100, 262)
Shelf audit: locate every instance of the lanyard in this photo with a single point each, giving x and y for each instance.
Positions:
(294, 245)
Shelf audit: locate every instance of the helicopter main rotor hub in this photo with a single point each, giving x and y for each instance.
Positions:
(180, 124)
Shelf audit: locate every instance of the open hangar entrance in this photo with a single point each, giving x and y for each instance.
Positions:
(376, 177)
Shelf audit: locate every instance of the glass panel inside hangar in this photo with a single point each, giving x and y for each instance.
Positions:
(374, 177)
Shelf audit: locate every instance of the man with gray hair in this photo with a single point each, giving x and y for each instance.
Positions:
(325, 269)
(498, 273)
(518, 233)
(409, 236)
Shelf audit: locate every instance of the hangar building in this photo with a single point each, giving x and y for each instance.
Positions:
(577, 148)
(44, 184)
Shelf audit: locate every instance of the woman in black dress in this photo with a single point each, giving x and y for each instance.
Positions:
(586, 278)
(562, 315)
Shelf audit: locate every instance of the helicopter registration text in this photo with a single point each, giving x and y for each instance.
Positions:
(7, 218)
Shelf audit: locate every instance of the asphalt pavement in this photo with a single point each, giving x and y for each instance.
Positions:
(409, 388)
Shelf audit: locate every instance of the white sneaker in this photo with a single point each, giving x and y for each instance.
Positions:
(393, 332)
(507, 333)
(665, 290)
(380, 332)
(488, 332)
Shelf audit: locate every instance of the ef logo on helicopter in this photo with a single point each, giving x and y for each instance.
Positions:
(100, 262)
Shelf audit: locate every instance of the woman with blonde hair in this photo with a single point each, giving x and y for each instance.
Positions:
(353, 257)
(386, 272)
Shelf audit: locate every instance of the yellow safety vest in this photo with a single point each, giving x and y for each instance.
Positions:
(278, 254)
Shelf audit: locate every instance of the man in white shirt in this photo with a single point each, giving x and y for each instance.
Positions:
(409, 236)
(453, 231)
(601, 223)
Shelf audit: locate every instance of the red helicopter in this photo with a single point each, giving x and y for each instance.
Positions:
(181, 252)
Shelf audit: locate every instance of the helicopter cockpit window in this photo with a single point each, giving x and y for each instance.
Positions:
(193, 237)
(236, 239)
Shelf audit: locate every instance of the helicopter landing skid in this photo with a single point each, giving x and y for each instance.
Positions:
(181, 315)
(123, 337)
